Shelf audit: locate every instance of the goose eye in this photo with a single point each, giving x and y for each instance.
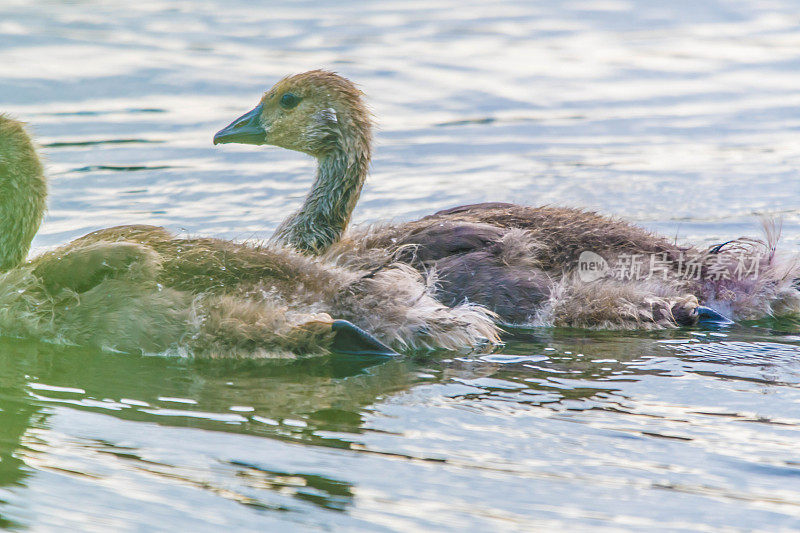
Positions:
(289, 100)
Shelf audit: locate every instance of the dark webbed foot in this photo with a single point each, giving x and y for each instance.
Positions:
(709, 317)
(352, 340)
(689, 313)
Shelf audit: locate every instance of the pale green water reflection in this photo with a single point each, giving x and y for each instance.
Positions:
(650, 430)
(682, 116)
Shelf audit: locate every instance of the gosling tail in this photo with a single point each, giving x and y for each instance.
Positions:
(753, 279)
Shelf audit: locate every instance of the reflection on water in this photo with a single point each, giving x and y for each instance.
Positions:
(681, 116)
(308, 402)
(638, 430)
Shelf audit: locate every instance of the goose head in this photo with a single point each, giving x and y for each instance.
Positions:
(23, 192)
(18, 156)
(316, 112)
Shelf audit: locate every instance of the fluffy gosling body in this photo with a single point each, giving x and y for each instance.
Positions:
(135, 288)
(521, 262)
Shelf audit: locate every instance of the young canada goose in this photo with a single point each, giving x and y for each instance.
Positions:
(140, 288)
(521, 262)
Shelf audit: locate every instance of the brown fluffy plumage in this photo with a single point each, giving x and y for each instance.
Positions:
(136, 288)
(518, 261)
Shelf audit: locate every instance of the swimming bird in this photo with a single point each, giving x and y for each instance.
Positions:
(140, 288)
(523, 263)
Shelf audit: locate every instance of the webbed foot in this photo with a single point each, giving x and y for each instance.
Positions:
(689, 312)
(352, 340)
(708, 317)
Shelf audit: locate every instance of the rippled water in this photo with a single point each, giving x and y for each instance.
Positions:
(682, 116)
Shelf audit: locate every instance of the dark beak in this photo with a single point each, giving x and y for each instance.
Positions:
(246, 129)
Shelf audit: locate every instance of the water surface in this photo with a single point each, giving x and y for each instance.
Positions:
(680, 116)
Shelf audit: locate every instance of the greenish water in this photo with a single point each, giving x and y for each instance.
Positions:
(681, 116)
